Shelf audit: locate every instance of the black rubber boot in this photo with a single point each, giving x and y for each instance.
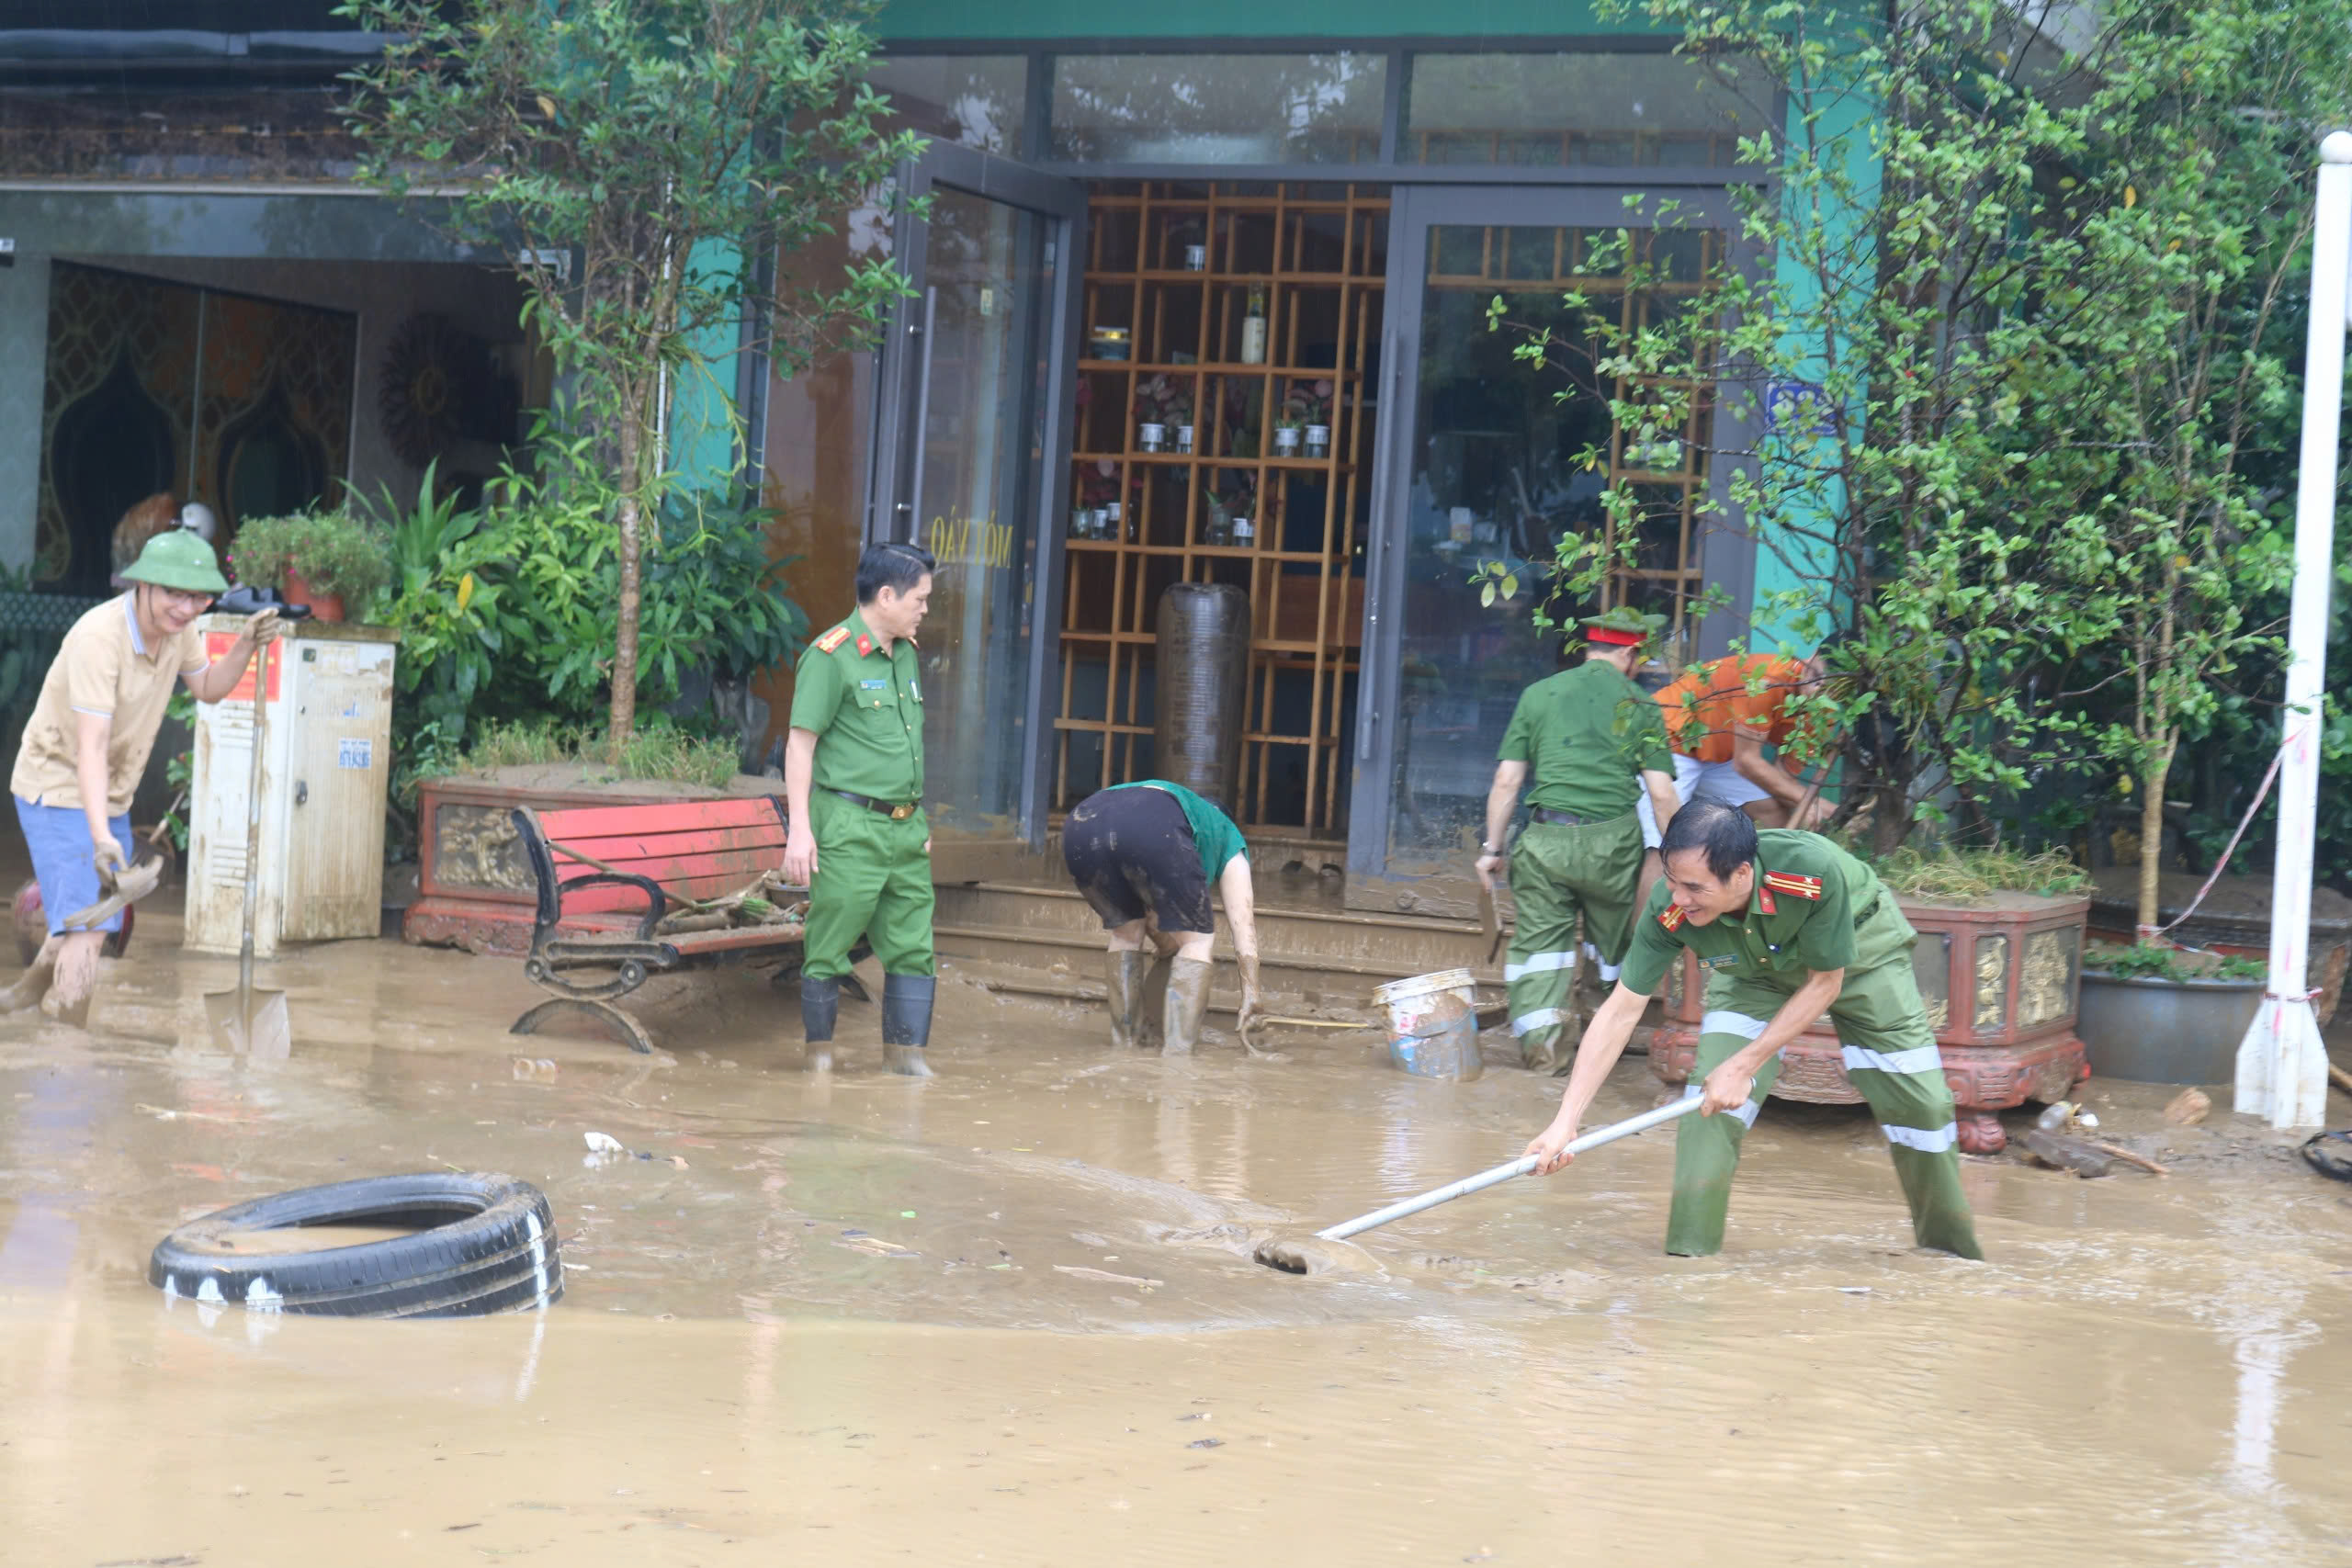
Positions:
(1123, 989)
(1187, 1004)
(820, 1000)
(906, 1022)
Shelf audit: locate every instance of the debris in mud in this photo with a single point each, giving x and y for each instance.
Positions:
(2084, 1156)
(602, 1147)
(2062, 1153)
(2188, 1108)
(1079, 1272)
(1206, 1443)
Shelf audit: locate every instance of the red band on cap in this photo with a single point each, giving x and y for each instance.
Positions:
(1622, 639)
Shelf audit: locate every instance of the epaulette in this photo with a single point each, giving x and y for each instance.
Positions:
(831, 639)
(864, 644)
(1671, 917)
(1794, 886)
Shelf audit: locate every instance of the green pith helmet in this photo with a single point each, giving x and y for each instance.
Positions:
(179, 559)
(1625, 625)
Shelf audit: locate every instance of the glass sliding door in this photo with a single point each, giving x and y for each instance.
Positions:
(974, 390)
(1493, 472)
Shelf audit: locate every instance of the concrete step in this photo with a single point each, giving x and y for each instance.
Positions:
(1315, 955)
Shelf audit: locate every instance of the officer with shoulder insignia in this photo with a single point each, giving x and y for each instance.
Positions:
(852, 784)
(1580, 736)
(1790, 927)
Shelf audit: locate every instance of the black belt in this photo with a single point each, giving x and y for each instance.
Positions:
(1552, 819)
(897, 811)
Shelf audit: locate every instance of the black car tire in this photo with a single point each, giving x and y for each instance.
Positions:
(481, 1244)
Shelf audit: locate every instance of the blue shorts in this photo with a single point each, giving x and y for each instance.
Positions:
(59, 837)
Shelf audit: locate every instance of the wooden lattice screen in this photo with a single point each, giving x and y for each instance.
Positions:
(1316, 254)
(1665, 574)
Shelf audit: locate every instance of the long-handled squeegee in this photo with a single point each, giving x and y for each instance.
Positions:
(1302, 1257)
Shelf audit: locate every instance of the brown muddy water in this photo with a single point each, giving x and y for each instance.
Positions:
(1008, 1316)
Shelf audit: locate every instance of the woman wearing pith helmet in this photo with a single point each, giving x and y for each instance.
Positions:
(87, 745)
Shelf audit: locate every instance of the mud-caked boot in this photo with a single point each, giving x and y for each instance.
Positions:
(821, 1002)
(906, 1022)
(1123, 989)
(1188, 1003)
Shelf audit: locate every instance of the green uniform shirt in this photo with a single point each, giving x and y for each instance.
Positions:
(1213, 833)
(865, 709)
(1815, 908)
(1583, 734)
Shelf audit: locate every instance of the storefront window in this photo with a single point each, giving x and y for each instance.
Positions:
(1607, 109)
(977, 100)
(1217, 108)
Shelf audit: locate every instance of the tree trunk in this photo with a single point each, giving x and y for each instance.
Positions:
(2152, 828)
(623, 721)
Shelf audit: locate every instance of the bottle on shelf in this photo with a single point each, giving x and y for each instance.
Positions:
(1253, 327)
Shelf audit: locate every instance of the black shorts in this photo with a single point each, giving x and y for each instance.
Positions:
(1131, 849)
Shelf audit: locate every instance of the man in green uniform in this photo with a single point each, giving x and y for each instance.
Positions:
(1790, 927)
(1581, 736)
(852, 784)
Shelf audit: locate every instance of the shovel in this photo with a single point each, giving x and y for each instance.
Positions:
(1304, 1258)
(247, 1020)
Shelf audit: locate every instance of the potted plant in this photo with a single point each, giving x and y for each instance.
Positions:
(1309, 403)
(1098, 487)
(319, 558)
(2154, 1013)
(1999, 965)
(1288, 428)
(1161, 404)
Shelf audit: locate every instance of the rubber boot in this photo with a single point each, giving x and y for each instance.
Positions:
(906, 1022)
(820, 1001)
(1188, 1003)
(1123, 989)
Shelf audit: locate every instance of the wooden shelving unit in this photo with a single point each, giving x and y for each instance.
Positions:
(1318, 255)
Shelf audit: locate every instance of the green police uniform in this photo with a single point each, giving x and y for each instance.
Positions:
(1815, 908)
(873, 878)
(1583, 735)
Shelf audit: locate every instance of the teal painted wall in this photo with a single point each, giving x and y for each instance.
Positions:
(703, 448)
(1793, 573)
(1087, 19)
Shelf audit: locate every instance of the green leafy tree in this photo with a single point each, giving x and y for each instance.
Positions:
(1992, 386)
(685, 152)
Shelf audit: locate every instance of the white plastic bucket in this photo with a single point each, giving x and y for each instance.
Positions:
(1433, 1024)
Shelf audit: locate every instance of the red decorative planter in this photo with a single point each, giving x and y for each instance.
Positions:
(324, 606)
(2014, 961)
(475, 889)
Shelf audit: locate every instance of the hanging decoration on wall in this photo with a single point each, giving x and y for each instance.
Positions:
(433, 369)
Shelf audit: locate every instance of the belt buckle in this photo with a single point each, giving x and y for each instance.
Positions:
(901, 813)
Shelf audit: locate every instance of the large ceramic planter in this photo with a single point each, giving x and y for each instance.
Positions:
(2015, 963)
(475, 888)
(2234, 918)
(2157, 1030)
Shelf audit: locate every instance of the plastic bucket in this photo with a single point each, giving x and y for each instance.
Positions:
(1433, 1025)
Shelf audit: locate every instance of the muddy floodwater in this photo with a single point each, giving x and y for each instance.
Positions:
(1008, 1315)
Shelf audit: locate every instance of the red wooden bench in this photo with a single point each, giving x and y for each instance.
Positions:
(669, 851)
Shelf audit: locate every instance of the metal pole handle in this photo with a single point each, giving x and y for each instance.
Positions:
(252, 822)
(1501, 1173)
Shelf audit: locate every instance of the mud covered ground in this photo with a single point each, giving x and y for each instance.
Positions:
(1008, 1316)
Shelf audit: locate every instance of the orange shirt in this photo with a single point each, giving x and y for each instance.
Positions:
(1751, 690)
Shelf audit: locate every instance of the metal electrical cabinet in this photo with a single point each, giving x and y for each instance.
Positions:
(326, 768)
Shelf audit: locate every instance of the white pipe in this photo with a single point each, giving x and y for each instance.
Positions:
(2282, 1067)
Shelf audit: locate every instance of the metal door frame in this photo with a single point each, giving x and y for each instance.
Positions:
(902, 384)
(1414, 211)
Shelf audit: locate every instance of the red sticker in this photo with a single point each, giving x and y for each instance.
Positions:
(218, 643)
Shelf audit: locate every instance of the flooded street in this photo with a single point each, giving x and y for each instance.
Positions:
(1008, 1315)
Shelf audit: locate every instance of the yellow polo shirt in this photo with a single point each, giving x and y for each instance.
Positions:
(105, 668)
